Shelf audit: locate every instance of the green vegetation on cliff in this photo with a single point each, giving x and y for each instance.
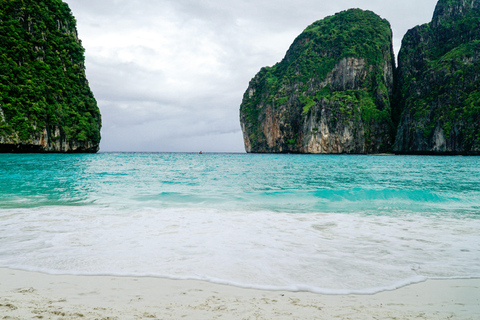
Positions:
(437, 92)
(353, 33)
(343, 63)
(42, 77)
(333, 92)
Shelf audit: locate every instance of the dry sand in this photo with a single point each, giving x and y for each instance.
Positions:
(30, 295)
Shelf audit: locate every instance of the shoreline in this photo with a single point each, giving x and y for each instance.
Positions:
(26, 295)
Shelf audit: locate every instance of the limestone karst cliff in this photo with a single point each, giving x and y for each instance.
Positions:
(330, 94)
(46, 104)
(438, 83)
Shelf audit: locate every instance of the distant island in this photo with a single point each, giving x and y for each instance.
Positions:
(338, 90)
(46, 104)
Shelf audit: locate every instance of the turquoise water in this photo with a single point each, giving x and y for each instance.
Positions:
(333, 224)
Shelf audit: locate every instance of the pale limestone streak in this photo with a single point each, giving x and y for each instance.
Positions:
(270, 127)
(439, 141)
(319, 137)
(345, 75)
(246, 139)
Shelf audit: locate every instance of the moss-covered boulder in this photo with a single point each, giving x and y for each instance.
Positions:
(330, 94)
(438, 83)
(46, 104)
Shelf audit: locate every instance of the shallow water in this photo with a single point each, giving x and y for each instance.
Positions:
(330, 224)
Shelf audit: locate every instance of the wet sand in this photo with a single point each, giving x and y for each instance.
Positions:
(31, 295)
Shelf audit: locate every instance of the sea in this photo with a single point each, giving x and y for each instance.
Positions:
(331, 224)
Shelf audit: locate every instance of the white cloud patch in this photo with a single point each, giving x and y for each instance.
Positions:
(169, 75)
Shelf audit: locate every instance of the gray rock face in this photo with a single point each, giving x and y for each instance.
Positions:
(325, 129)
(45, 141)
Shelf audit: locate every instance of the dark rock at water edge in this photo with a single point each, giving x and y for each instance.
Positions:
(330, 94)
(46, 104)
(437, 98)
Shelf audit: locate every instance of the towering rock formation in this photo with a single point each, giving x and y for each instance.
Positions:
(45, 101)
(438, 83)
(330, 94)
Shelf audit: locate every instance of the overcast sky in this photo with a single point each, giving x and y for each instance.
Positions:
(169, 75)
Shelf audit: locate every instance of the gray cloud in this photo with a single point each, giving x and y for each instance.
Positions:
(169, 75)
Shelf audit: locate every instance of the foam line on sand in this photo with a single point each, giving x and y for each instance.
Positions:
(31, 295)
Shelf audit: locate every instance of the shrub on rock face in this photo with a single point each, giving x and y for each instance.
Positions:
(46, 104)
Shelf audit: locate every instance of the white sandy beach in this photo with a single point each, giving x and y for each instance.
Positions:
(30, 295)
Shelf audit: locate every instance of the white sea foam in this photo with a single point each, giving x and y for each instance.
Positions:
(318, 252)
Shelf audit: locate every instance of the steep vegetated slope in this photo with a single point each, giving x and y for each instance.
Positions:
(46, 104)
(438, 87)
(330, 94)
